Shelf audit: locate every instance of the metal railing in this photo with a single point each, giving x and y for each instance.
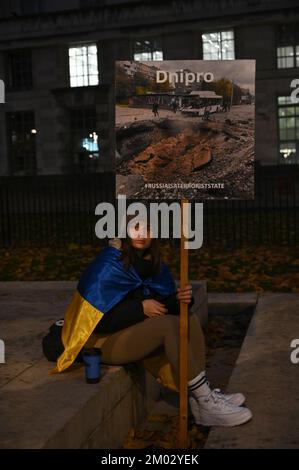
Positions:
(60, 209)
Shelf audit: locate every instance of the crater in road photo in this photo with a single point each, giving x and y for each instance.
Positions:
(185, 138)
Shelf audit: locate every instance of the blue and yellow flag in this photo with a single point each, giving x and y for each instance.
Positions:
(104, 283)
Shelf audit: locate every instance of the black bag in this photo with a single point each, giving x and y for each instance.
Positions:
(52, 344)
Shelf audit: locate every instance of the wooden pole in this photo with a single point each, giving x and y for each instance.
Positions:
(183, 420)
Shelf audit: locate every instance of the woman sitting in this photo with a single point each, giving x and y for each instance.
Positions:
(127, 304)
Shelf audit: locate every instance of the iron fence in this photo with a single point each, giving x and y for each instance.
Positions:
(60, 209)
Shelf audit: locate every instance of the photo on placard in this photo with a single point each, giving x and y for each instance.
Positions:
(185, 129)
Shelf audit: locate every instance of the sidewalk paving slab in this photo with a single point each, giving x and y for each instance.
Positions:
(39, 410)
(265, 374)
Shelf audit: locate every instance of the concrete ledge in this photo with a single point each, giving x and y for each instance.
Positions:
(64, 412)
(61, 411)
(8, 287)
(200, 306)
(265, 374)
(223, 303)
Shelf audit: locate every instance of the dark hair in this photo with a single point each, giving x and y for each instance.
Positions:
(129, 252)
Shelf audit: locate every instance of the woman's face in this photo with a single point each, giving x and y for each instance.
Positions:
(140, 239)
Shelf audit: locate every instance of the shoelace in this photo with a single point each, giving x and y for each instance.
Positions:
(218, 392)
(221, 395)
(217, 397)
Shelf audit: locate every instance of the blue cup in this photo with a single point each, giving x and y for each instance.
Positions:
(92, 361)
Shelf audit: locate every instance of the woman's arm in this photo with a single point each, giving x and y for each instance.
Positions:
(126, 313)
(172, 302)
(134, 309)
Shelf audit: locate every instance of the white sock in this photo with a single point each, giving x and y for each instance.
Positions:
(199, 387)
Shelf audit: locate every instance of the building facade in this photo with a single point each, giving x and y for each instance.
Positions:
(57, 63)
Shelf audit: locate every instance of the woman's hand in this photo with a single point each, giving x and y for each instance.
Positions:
(185, 295)
(152, 308)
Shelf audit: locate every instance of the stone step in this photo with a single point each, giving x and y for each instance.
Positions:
(39, 410)
(62, 411)
(222, 303)
(44, 411)
(268, 378)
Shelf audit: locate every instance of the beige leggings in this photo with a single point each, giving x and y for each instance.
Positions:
(138, 341)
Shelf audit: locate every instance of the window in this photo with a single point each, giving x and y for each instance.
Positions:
(83, 64)
(148, 49)
(21, 142)
(288, 46)
(84, 139)
(218, 45)
(286, 57)
(19, 69)
(288, 123)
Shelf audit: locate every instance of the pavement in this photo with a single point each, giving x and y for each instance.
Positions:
(39, 410)
(268, 378)
(125, 115)
(263, 372)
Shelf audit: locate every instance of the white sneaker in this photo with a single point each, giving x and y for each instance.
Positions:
(236, 399)
(213, 410)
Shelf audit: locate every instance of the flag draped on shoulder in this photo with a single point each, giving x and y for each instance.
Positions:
(103, 285)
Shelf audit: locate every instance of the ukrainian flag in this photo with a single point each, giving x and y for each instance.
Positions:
(104, 283)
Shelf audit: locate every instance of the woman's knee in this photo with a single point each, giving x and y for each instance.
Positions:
(167, 323)
(172, 320)
(172, 326)
(195, 321)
